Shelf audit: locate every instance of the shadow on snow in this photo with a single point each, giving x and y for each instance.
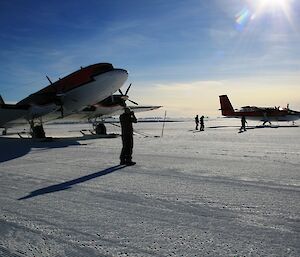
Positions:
(12, 148)
(70, 183)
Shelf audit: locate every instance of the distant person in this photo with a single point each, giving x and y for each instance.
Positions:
(243, 122)
(126, 120)
(202, 123)
(197, 122)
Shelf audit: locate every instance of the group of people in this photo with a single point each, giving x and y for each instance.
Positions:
(201, 122)
(126, 120)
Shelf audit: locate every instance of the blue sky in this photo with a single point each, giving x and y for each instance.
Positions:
(180, 54)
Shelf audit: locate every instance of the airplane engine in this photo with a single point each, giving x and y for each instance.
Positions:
(37, 111)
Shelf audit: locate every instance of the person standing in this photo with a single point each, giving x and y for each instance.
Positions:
(243, 122)
(202, 123)
(126, 120)
(197, 121)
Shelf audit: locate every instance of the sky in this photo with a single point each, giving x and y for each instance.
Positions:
(181, 54)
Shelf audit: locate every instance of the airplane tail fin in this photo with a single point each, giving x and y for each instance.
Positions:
(226, 106)
(1, 100)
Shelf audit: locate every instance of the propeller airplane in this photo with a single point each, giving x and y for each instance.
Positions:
(84, 94)
(264, 114)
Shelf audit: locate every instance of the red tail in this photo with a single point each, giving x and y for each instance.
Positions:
(226, 106)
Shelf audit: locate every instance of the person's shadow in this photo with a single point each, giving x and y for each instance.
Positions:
(70, 183)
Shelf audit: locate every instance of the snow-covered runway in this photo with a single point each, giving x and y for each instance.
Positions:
(211, 193)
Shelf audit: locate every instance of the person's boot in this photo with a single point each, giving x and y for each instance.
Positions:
(130, 163)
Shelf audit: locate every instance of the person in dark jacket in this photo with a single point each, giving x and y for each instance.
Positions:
(126, 120)
(243, 122)
(202, 123)
(197, 122)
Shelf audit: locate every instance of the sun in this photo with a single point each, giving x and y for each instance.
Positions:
(274, 5)
(277, 8)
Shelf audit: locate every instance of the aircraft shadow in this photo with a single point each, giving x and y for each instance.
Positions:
(12, 148)
(70, 183)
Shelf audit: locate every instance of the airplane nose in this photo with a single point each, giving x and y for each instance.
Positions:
(122, 73)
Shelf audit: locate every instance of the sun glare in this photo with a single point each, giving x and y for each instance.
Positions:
(274, 3)
(275, 6)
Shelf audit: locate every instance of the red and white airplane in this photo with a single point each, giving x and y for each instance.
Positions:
(265, 114)
(84, 94)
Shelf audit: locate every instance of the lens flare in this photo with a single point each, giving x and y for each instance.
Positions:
(243, 18)
(277, 10)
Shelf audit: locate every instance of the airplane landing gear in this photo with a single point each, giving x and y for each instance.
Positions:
(4, 132)
(37, 131)
(264, 124)
(100, 129)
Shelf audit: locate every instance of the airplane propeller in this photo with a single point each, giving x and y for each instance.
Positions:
(125, 96)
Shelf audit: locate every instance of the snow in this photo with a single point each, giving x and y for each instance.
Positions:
(211, 193)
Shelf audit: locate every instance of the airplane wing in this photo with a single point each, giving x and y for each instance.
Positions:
(134, 108)
(144, 108)
(11, 114)
(100, 111)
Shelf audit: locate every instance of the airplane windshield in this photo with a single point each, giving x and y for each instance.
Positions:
(102, 67)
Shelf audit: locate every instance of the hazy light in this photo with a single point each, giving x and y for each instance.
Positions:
(280, 4)
(275, 7)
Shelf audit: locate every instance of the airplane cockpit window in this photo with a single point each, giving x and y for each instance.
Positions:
(103, 67)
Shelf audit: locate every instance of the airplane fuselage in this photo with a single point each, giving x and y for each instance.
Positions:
(66, 96)
(265, 117)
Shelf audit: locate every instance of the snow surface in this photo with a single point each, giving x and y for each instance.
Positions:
(211, 193)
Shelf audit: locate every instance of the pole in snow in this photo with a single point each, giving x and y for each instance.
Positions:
(162, 131)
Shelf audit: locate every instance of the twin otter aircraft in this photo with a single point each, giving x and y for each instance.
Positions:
(265, 114)
(84, 94)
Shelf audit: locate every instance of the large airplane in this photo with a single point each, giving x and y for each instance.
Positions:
(84, 94)
(264, 114)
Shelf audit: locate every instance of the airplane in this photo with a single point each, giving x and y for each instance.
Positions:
(265, 114)
(81, 94)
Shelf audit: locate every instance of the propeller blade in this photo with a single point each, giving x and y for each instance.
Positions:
(133, 102)
(127, 89)
(49, 80)
(121, 92)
